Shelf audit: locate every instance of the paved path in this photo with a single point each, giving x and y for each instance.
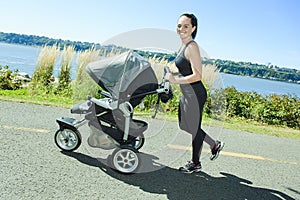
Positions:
(31, 166)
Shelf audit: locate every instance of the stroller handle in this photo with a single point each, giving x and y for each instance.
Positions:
(166, 83)
(104, 93)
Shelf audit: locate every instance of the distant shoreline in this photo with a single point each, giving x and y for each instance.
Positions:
(246, 69)
(254, 70)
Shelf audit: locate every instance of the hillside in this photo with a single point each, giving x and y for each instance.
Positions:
(32, 40)
(256, 70)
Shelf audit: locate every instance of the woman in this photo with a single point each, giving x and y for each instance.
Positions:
(188, 62)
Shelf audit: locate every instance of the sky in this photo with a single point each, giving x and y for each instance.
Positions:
(257, 31)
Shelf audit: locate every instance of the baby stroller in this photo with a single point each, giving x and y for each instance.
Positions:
(125, 79)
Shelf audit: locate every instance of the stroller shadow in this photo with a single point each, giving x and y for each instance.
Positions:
(161, 179)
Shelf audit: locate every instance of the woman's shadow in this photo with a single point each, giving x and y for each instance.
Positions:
(155, 178)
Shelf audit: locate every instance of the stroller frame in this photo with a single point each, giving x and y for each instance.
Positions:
(105, 133)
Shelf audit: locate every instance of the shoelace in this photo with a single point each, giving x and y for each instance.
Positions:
(189, 164)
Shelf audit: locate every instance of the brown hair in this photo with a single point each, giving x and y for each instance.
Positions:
(193, 21)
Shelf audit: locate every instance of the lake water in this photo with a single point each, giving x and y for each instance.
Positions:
(19, 57)
(261, 86)
(24, 58)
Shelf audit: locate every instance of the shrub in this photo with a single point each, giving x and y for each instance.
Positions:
(271, 109)
(280, 110)
(215, 106)
(8, 79)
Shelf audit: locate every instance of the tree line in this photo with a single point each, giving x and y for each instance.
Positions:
(33, 40)
(267, 71)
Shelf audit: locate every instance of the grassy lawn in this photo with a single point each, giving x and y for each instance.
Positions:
(230, 123)
(24, 96)
(259, 128)
(248, 126)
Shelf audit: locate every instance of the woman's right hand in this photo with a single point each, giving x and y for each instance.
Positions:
(170, 77)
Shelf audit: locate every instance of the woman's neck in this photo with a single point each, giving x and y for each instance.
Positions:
(186, 40)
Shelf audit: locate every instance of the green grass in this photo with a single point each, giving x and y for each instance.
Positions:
(24, 96)
(259, 128)
(240, 124)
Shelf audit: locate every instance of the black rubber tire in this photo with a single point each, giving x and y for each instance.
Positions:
(67, 139)
(139, 142)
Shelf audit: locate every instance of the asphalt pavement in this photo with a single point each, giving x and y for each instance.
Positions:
(251, 166)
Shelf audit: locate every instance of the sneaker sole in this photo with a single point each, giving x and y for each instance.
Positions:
(190, 172)
(197, 170)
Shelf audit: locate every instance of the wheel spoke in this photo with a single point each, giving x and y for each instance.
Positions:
(120, 161)
(122, 156)
(132, 159)
(130, 164)
(127, 155)
(72, 141)
(122, 164)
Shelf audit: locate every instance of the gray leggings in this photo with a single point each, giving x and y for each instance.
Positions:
(211, 142)
(190, 116)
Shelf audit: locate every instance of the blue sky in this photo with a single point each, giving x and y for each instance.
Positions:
(258, 31)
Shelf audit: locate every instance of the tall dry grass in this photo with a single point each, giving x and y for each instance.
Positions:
(84, 85)
(111, 52)
(210, 73)
(43, 75)
(64, 78)
(158, 65)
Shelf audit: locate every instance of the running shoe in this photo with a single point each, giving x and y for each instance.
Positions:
(216, 150)
(190, 167)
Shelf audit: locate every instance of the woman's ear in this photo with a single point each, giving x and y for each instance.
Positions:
(194, 28)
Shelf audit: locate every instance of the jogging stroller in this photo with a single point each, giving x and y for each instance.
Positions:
(125, 79)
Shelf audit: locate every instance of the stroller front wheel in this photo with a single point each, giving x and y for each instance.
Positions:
(125, 159)
(67, 139)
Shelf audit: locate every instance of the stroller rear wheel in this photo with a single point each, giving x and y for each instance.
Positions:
(67, 139)
(125, 159)
(139, 141)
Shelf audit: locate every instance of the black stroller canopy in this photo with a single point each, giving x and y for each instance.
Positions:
(123, 74)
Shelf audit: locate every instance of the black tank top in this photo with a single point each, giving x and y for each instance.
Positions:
(185, 69)
(182, 63)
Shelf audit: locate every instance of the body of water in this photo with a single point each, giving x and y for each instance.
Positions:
(24, 58)
(19, 57)
(261, 86)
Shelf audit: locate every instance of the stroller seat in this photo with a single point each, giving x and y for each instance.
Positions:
(136, 127)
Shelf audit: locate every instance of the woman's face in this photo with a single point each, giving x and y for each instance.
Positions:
(185, 28)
